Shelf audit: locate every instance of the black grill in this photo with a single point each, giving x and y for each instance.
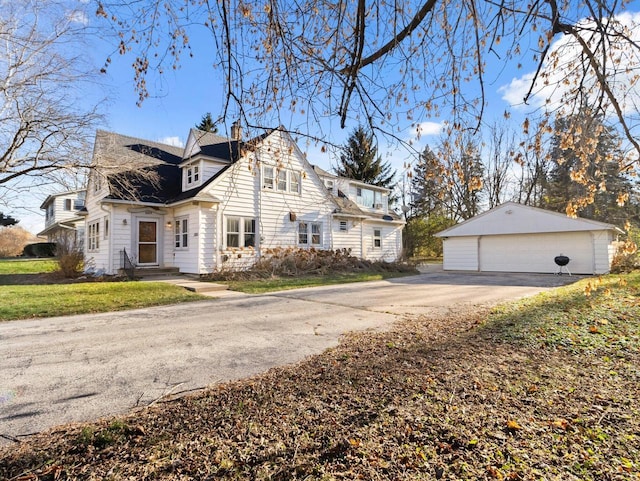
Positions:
(562, 261)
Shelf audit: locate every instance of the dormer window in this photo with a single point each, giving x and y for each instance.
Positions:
(192, 175)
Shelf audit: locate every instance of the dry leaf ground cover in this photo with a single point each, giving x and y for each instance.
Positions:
(545, 389)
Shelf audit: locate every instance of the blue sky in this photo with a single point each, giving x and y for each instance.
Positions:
(183, 96)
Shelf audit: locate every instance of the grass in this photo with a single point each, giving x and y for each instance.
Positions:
(27, 266)
(525, 391)
(30, 301)
(285, 283)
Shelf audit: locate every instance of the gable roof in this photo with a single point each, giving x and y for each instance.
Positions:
(514, 218)
(149, 172)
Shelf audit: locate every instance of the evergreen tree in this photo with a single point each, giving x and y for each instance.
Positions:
(428, 188)
(7, 220)
(359, 160)
(206, 124)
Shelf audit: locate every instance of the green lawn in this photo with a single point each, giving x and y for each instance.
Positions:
(27, 266)
(29, 301)
(261, 286)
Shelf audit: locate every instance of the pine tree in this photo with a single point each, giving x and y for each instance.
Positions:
(7, 220)
(428, 189)
(359, 160)
(207, 124)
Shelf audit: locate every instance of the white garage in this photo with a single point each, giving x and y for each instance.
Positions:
(518, 238)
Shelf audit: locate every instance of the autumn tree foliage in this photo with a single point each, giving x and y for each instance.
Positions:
(13, 239)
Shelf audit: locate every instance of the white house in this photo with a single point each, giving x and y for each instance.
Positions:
(222, 203)
(63, 222)
(517, 238)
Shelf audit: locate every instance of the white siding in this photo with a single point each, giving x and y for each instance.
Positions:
(604, 250)
(460, 254)
(240, 188)
(349, 239)
(391, 240)
(535, 252)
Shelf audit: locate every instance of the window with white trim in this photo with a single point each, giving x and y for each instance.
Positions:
(67, 204)
(105, 234)
(377, 239)
(294, 185)
(241, 232)
(181, 233)
(93, 236)
(267, 177)
(343, 225)
(192, 174)
(282, 180)
(310, 233)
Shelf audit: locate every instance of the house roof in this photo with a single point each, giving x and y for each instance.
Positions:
(59, 194)
(140, 157)
(323, 173)
(514, 218)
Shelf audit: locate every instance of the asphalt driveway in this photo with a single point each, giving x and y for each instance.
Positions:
(78, 368)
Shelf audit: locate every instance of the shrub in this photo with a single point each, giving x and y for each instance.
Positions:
(40, 249)
(70, 261)
(294, 262)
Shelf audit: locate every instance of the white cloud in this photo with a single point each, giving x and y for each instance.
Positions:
(175, 141)
(562, 69)
(78, 16)
(429, 128)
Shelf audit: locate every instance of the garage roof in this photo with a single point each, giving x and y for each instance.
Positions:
(514, 218)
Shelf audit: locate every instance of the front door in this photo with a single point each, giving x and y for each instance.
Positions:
(147, 242)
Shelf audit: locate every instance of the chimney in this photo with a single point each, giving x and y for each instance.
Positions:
(236, 130)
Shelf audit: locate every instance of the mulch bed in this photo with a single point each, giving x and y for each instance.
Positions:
(431, 399)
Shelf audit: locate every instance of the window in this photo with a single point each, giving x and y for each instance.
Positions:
(67, 204)
(303, 237)
(310, 233)
(106, 227)
(233, 232)
(237, 225)
(328, 184)
(193, 174)
(294, 186)
(94, 236)
(49, 215)
(249, 232)
(97, 182)
(267, 177)
(181, 233)
(343, 225)
(316, 234)
(377, 239)
(282, 180)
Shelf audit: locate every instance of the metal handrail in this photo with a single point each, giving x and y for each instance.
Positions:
(126, 265)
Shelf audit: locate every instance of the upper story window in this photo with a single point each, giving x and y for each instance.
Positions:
(267, 177)
(49, 212)
(328, 183)
(67, 204)
(192, 175)
(369, 198)
(282, 180)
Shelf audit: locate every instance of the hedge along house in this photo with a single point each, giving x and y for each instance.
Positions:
(518, 238)
(221, 203)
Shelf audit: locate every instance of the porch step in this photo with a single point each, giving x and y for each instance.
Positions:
(152, 272)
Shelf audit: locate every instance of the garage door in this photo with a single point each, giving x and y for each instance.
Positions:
(535, 252)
